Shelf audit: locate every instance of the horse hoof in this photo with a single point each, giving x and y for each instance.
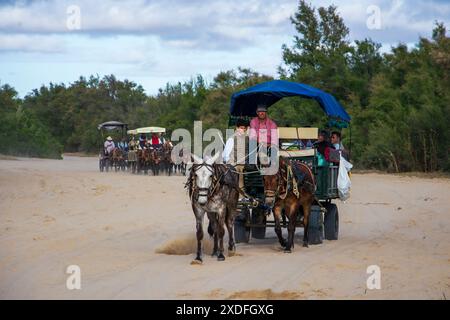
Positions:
(215, 254)
(231, 253)
(196, 261)
(220, 257)
(305, 245)
(287, 251)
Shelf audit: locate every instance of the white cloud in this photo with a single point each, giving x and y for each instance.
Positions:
(31, 43)
(155, 41)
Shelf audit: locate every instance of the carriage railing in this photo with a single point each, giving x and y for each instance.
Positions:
(333, 172)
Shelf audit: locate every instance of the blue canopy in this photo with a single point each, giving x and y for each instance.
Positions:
(244, 103)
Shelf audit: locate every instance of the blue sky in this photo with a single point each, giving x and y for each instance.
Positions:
(154, 42)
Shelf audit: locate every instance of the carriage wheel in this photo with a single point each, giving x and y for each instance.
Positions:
(100, 165)
(331, 222)
(258, 217)
(315, 226)
(241, 232)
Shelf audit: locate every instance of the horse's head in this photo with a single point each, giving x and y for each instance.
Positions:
(116, 153)
(273, 184)
(203, 171)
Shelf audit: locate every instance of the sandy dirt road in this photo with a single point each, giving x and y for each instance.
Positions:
(119, 228)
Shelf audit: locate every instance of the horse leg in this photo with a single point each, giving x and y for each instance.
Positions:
(306, 212)
(229, 224)
(277, 216)
(291, 212)
(212, 231)
(199, 223)
(221, 232)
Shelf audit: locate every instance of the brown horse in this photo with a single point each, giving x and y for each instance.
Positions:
(167, 161)
(155, 160)
(117, 159)
(290, 189)
(143, 160)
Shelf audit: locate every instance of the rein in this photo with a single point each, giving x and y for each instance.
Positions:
(290, 178)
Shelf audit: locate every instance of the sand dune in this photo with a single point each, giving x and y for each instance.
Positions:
(133, 238)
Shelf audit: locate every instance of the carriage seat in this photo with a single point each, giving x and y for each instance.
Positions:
(289, 141)
(297, 153)
(288, 133)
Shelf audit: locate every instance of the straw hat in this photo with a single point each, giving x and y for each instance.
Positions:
(109, 138)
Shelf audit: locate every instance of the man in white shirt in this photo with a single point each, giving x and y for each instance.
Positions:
(109, 145)
(235, 149)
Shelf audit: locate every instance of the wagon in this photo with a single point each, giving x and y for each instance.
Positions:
(104, 161)
(133, 155)
(252, 220)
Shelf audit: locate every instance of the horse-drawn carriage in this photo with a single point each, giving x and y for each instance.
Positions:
(252, 220)
(148, 156)
(116, 158)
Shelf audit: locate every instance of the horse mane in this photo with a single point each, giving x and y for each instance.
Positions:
(308, 181)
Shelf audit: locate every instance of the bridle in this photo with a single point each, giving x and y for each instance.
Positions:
(276, 193)
(206, 192)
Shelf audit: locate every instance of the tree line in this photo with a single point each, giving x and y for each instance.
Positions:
(399, 101)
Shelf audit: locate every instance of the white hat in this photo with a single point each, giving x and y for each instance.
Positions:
(109, 138)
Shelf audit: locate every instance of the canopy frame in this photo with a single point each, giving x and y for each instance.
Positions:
(245, 102)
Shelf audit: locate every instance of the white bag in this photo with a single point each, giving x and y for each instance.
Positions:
(343, 180)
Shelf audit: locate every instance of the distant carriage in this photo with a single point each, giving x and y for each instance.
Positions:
(116, 158)
(147, 157)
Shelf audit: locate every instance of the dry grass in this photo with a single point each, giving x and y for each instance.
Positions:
(6, 157)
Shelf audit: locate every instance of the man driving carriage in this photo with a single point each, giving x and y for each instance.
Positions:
(109, 145)
(262, 127)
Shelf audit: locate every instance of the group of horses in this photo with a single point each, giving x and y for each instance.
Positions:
(156, 160)
(214, 191)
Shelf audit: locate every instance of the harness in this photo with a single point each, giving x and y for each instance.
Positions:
(217, 177)
(208, 192)
(292, 181)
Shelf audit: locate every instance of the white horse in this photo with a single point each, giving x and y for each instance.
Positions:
(213, 190)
